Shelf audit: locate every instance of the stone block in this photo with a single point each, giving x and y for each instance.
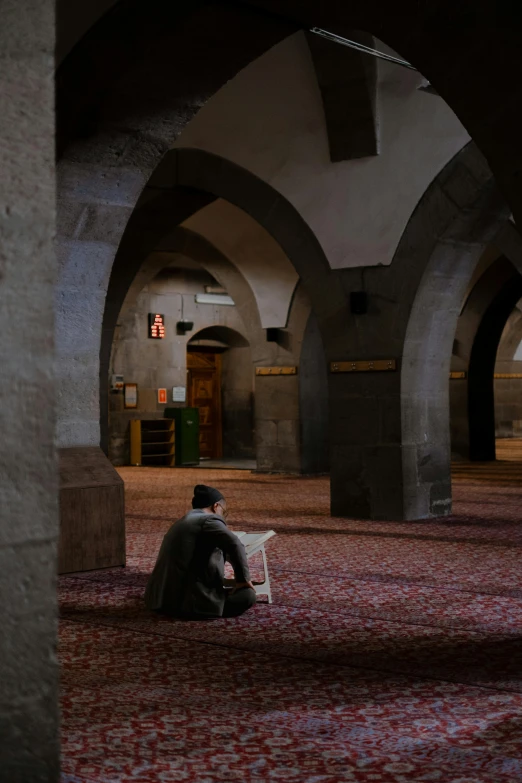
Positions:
(277, 397)
(440, 498)
(462, 187)
(106, 148)
(434, 461)
(390, 421)
(84, 266)
(288, 433)
(279, 459)
(77, 432)
(349, 500)
(92, 184)
(26, 334)
(356, 422)
(210, 173)
(164, 174)
(387, 502)
(78, 388)
(266, 433)
(416, 500)
(350, 495)
(476, 164)
(77, 327)
(427, 226)
(383, 465)
(69, 218)
(104, 223)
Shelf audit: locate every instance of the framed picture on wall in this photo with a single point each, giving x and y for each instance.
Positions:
(130, 395)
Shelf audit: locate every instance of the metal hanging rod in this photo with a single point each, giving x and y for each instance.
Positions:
(362, 48)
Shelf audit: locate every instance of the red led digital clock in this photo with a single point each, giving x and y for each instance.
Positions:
(156, 326)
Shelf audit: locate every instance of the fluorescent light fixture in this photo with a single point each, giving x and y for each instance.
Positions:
(362, 48)
(215, 299)
(359, 47)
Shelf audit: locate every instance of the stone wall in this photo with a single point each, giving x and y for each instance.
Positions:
(238, 404)
(154, 364)
(28, 468)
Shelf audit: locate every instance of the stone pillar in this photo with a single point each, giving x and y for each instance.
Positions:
(389, 431)
(29, 749)
(365, 446)
(277, 397)
(277, 423)
(313, 402)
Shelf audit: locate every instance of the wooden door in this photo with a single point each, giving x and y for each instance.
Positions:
(204, 392)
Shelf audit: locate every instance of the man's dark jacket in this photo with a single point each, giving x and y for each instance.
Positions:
(188, 576)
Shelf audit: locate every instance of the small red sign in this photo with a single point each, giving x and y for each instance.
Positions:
(162, 396)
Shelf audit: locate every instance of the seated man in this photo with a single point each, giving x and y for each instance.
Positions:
(187, 580)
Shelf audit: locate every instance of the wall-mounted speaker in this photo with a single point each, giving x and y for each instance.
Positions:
(182, 327)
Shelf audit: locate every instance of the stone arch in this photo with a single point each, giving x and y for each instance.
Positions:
(185, 242)
(276, 427)
(476, 216)
(511, 340)
(508, 378)
(471, 395)
(109, 160)
(185, 181)
(481, 399)
(389, 432)
(235, 377)
(223, 334)
(123, 95)
(460, 213)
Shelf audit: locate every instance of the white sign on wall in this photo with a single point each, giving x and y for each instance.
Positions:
(179, 394)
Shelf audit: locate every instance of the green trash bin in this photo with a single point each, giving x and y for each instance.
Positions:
(187, 434)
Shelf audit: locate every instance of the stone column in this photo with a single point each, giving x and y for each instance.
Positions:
(29, 749)
(367, 478)
(277, 424)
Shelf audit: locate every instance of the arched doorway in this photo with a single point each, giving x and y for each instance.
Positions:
(488, 305)
(175, 285)
(220, 383)
(481, 398)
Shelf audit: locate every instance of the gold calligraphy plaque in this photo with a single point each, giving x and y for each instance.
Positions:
(276, 370)
(365, 365)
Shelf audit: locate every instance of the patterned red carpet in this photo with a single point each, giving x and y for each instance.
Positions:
(392, 651)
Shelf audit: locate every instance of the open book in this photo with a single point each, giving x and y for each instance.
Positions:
(254, 541)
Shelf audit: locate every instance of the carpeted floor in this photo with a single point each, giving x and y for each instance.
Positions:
(392, 651)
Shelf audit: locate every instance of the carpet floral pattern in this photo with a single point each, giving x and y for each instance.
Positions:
(392, 651)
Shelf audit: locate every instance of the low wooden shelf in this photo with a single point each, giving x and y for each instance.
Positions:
(152, 442)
